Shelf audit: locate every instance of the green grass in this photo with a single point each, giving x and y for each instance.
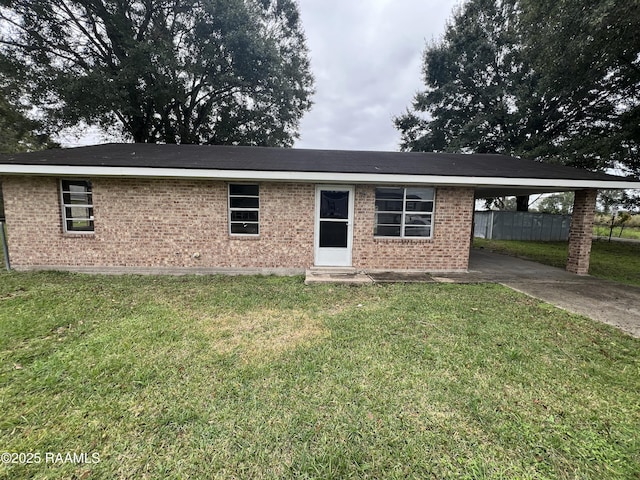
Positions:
(626, 232)
(615, 261)
(263, 377)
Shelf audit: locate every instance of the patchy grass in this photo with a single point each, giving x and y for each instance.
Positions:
(615, 261)
(263, 377)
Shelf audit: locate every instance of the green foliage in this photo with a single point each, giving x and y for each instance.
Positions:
(558, 203)
(548, 80)
(213, 71)
(19, 133)
(588, 59)
(249, 377)
(480, 91)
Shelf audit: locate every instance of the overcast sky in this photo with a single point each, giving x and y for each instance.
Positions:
(366, 57)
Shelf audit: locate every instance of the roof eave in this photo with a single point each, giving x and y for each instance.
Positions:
(314, 177)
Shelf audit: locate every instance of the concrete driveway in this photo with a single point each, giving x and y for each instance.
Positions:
(601, 300)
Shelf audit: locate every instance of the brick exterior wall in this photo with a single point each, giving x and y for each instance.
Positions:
(184, 223)
(448, 250)
(581, 232)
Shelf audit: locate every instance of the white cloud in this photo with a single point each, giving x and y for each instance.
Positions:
(366, 57)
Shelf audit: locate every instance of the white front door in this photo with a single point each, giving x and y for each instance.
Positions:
(334, 225)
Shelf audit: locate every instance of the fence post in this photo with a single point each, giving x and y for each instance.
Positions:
(5, 247)
(490, 227)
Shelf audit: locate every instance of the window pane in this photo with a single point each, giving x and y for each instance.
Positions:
(244, 216)
(411, 219)
(411, 231)
(245, 228)
(420, 193)
(76, 185)
(333, 234)
(389, 218)
(414, 205)
(391, 193)
(249, 190)
(334, 204)
(244, 202)
(74, 194)
(389, 205)
(417, 225)
(80, 225)
(78, 212)
(419, 206)
(76, 198)
(387, 231)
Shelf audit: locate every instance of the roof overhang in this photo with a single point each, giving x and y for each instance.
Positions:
(485, 186)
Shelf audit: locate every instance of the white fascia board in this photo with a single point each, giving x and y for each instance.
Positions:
(315, 177)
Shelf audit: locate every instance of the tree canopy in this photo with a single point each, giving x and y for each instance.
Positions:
(19, 133)
(173, 71)
(550, 80)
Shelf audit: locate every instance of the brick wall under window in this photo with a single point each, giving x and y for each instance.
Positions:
(163, 223)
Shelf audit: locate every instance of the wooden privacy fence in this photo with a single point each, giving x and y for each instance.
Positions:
(502, 225)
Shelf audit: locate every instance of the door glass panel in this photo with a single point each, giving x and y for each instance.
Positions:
(333, 234)
(334, 204)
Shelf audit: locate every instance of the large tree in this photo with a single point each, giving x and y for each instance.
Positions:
(18, 133)
(187, 71)
(587, 56)
(549, 80)
(480, 90)
(480, 93)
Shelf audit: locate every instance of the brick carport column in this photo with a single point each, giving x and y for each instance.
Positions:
(581, 232)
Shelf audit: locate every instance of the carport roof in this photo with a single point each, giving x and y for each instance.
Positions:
(490, 174)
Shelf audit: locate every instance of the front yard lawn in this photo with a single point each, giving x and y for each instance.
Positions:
(264, 377)
(615, 261)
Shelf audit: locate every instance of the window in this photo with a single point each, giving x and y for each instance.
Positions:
(404, 212)
(77, 205)
(244, 209)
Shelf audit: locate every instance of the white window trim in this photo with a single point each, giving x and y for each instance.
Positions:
(404, 212)
(64, 207)
(236, 209)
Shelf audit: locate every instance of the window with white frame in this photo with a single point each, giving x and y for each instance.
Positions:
(77, 206)
(244, 209)
(404, 212)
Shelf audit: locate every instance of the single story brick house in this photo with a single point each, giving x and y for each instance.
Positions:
(145, 207)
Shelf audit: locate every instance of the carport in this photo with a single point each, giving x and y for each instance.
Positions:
(584, 205)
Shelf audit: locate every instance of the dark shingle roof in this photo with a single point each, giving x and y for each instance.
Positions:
(302, 160)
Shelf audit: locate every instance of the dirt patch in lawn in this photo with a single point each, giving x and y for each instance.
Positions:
(259, 333)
